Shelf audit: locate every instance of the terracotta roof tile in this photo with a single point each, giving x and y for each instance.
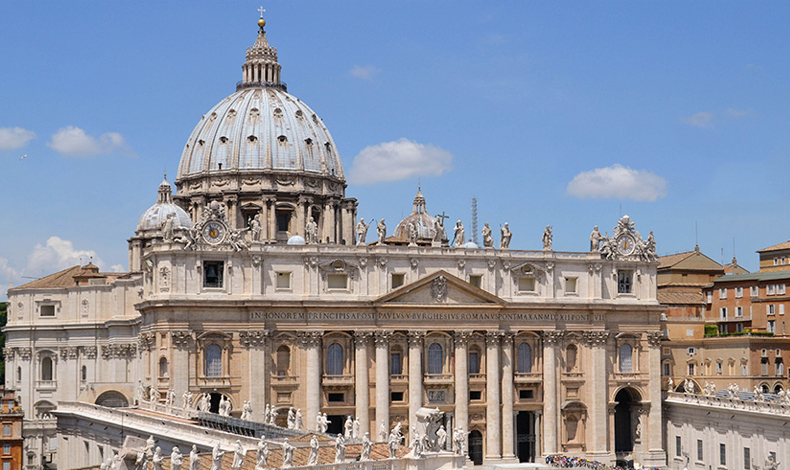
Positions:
(680, 298)
(781, 246)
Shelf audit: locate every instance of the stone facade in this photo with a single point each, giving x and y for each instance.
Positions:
(530, 352)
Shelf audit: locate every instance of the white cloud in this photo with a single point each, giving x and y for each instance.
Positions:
(738, 112)
(618, 182)
(15, 137)
(702, 119)
(58, 254)
(74, 142)
(365, 72)
(118, 268)
(403, 159)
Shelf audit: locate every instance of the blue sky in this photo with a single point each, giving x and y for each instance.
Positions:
(680, 108)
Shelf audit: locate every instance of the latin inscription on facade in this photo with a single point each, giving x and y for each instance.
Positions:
(428, 316)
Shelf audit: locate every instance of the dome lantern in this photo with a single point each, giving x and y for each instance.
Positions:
(261, 68)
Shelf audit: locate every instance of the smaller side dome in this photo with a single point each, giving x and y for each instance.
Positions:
(421, 220)
(296, 240)
(156, 215)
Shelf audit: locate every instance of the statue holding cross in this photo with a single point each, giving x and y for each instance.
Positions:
(439, 235)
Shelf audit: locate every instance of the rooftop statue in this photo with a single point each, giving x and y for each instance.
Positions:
(548, 238)
(381, 228)
(488, 240)
(504, 242)
(458, 238)
(362, 231)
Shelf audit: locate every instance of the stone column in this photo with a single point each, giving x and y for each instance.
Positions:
(462, 379)
(493, 412)
(508, 425)
(599, 387)
(552, 417)
(361, 380)
(255, 342)
(416, 339)
(538, 450)
(311, 341)
(654, 429)
(272, 220)
(181, 341)
(329, 222)
(300, 216)
(382, 381)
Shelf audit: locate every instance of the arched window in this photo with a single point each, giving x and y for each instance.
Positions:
(570, 358)
(474, 361)
(163, 367)
(213, 361)
(626, 364)
(46, 369)
(435, 358)
(524, 358)
(283, 360)
(334, 359)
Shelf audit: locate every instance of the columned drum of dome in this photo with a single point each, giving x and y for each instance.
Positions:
(263, 152)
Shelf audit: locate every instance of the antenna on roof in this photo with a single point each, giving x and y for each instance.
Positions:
(474, 220)
(722, 256)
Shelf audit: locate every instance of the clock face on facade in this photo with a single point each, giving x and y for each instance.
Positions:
(213, 232)
(626, 245)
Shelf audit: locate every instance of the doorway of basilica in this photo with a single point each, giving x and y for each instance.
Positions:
(525, 436)
(476, 447)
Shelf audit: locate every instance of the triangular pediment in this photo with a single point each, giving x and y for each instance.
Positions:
(439, 288)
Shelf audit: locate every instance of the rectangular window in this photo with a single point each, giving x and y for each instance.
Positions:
(770, 289)
(747, 458)
(474, 363)
(398, 279)
(678, 448)
(47, 311)
(526, 394)
(719, 368)
(396, 366)
(667, 370)
(6, 430)
(754, 291)
(722, 454)
(739, 327)
(771, 326)
(781, 309)
(6, 465)
(476, 280)
(6, 449)
(396, 396)
(570, 285)
(723, 313)
(335, 397)
(770, 309)
(691, 368)
(722, 293)
(475, 395)
(526, 284)
(738, 311)
(780, 289)
(699, 450)
(744, 369)
(625, 282)
(738, 292)
(283, 280)
(337, 281)
(709, 297)
(764, 366)
(283, 220)
(691, 351)
(779, 369)
(213, 272)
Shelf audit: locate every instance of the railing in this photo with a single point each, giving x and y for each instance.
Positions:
(53, 384)
(242, 85)
(399, 378)
(439, 378)
(284, 379)
(338, 379)
(213, 381)
(477, 377)
(773, 404)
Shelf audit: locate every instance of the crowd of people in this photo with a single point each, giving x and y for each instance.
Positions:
(565, 461)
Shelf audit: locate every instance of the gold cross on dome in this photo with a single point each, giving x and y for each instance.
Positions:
(262, 11)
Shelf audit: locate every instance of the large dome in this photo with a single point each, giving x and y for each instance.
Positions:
(257, 129)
